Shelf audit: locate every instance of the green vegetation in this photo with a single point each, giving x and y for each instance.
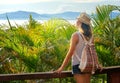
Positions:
(106, 31)
(36, 47)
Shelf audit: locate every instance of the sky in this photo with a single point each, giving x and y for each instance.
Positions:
(53, 6)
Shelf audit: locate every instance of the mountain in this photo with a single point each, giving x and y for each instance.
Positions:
(114, 14)
(23, 15)
(65, 15)
(18, 15)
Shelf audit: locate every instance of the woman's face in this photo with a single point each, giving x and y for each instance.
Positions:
(78, 23)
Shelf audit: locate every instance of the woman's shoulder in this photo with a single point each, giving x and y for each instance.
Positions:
(75, 35)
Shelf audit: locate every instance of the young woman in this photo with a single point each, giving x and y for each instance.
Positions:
(76, 46)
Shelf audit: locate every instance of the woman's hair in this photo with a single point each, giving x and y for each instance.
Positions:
(86, 31)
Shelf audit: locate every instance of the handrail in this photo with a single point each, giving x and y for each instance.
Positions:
(36, 75)
(49, 75)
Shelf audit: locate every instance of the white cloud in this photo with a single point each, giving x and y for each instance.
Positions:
(65, 7)
(92, 1)
(22, 1)
(35, 1)
(88, 1)
(52, 6)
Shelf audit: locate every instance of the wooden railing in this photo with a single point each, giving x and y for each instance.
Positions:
(113, 75)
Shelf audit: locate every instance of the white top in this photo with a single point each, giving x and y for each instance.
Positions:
(78, 49)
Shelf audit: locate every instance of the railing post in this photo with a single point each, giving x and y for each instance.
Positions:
(108, 77)
(113, 77)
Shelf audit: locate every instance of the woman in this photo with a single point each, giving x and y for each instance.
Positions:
(76, 45)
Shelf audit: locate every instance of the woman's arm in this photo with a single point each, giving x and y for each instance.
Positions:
(73, 43)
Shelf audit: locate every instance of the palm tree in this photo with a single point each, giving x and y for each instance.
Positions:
(17, 47)
(34, 48)
(54, 36)
(107, 36)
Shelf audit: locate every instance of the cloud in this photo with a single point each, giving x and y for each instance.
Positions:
(22, 1)
(94, 1)
(87, 1)
(52, 6)
(65, 7)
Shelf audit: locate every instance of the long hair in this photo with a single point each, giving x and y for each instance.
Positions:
(86, 31)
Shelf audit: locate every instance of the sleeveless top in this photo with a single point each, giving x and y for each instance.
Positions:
(78, 49)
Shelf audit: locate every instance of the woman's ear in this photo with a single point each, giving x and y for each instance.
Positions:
(81, 30)
(78, 23)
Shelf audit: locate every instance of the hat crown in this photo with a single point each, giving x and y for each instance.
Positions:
(83, 17)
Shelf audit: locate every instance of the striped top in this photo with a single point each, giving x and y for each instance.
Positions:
(78, 49)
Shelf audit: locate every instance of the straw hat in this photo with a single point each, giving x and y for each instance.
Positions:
(83, 17)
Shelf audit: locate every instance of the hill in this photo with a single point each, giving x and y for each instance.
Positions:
(23, 15)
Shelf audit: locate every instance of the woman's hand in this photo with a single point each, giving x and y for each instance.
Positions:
(100, 67)
(59, 70)
(73, 43)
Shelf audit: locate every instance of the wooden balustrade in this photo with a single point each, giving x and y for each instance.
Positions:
(113, 75)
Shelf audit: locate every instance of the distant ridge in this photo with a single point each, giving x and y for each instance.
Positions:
(18, 15)
(23, 15)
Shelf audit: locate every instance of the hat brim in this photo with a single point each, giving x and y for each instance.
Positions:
(83, 21)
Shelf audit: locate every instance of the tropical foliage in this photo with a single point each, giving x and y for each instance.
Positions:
(106, 30)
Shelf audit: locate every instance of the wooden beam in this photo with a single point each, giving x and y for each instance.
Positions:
(36, 75)
(50, 75)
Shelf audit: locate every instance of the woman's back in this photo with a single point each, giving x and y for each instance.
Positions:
(78, 49)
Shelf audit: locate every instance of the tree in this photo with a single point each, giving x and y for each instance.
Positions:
(107, 36)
